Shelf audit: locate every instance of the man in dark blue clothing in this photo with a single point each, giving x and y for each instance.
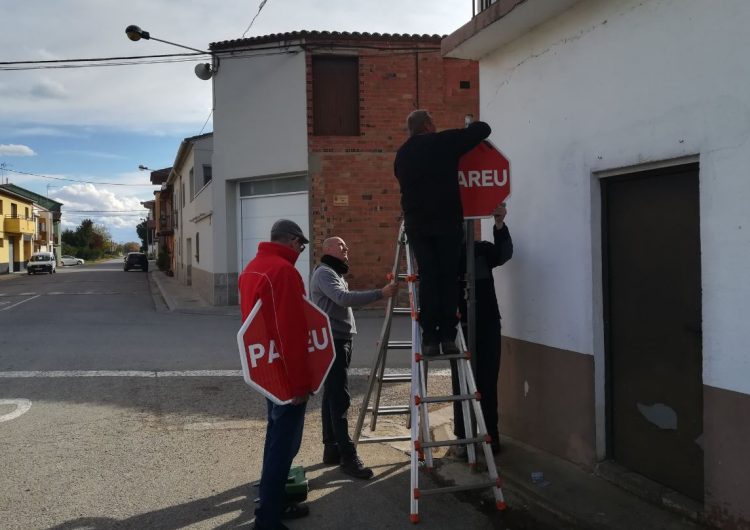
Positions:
(487, 256)
(426, 167)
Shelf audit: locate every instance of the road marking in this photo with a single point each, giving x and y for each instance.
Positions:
(19, 303)
(22, 407)
(177, 373)
(121, 373)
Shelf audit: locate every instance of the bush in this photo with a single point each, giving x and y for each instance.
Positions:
(163, 260)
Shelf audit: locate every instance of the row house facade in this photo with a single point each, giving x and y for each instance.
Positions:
(30, 223)
(625, 342)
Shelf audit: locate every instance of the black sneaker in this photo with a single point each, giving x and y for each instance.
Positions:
(331, 455)
(449, 347)
(295, 511)
(430, 349)
(356, 468)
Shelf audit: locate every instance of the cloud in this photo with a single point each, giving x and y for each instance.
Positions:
(45, 131)
(92, 154)
(48, 89)
(16, 150)
(79, 199)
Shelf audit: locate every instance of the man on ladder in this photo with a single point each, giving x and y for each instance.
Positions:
(426, 166)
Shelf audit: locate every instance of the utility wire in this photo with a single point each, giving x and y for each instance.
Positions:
(263, 3)
(95, 59)
(206, 122)
(77, 180)
(103, 211)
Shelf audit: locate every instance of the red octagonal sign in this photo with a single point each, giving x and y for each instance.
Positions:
(484, 178)
(263, 360)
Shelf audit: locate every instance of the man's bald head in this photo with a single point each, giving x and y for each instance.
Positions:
(335, 246)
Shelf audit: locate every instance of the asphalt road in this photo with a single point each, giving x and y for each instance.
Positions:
(114, 413)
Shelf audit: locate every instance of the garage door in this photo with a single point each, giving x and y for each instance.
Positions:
(258, 215)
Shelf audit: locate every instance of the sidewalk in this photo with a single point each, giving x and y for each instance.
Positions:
(180, 298)
(566, 496)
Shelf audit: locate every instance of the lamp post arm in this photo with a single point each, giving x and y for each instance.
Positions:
(181, 46)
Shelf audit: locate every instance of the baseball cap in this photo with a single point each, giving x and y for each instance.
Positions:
(285, 226)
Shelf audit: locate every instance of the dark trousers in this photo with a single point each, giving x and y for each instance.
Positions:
(438, 258)
(487, 371)
(336, 401)
(283, 438)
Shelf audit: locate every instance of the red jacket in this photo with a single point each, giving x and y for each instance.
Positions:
(271, 276)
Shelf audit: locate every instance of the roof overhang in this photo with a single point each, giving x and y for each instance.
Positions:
(501, 23)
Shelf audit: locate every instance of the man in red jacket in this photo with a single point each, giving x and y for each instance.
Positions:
(272, 278)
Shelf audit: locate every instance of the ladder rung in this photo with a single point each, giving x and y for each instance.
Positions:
(381, 439)
(447, 399)
(444, 357)
(396, 378)
(399, 344)
(448, 443)
(391, 410)
(452, 489)
(402, 310)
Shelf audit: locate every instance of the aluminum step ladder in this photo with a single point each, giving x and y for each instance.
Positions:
(420, 437)
(378, 375)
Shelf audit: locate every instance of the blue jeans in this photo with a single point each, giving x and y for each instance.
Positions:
(283, 438)
(336, 401)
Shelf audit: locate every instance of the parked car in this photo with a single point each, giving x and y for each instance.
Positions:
(136, 260)
(41, 262)
(71, 260)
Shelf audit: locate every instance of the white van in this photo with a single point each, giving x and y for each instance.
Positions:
(41, 262)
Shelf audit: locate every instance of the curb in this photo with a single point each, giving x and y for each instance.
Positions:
(171, 305)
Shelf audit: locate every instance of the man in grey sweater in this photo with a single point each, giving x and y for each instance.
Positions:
(330, 292)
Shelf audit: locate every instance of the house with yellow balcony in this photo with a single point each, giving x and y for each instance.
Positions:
(29, 222)
(16, 232)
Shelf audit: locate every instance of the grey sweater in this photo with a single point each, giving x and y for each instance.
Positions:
(331, 293)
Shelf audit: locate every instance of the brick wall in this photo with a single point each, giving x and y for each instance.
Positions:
(353, 193)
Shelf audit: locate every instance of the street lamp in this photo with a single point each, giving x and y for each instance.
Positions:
(204, 71)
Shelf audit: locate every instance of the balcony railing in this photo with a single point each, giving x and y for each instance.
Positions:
(165, 225)
(18, 224)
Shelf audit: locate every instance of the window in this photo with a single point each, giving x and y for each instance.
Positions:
(1, 207)
(192, 184)
(26, 213)
(197, 247)
(335, 95)
(182, 192)
(273, 186)
(207, 174)
(13, 210)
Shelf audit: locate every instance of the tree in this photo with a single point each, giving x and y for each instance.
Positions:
(140, 229)
(131, 246)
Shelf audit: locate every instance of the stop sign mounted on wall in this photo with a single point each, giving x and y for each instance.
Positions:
(263, 361)
(484, 179)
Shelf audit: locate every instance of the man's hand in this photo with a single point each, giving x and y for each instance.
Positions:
(389, 290)
(499, 214)
(298, 400)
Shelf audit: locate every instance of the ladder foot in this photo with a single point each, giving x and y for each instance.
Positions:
(414, 518)
(501, 506)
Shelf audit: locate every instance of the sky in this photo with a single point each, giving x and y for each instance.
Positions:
(97, 125)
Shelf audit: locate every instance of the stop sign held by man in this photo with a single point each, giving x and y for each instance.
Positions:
(263, 365)
(484, 180)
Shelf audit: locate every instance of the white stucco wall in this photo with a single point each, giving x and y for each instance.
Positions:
(610, 85)
(260, 128)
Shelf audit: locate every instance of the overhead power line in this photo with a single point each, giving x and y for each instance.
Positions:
(260, 7)
(103, 211)
(77, 180)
